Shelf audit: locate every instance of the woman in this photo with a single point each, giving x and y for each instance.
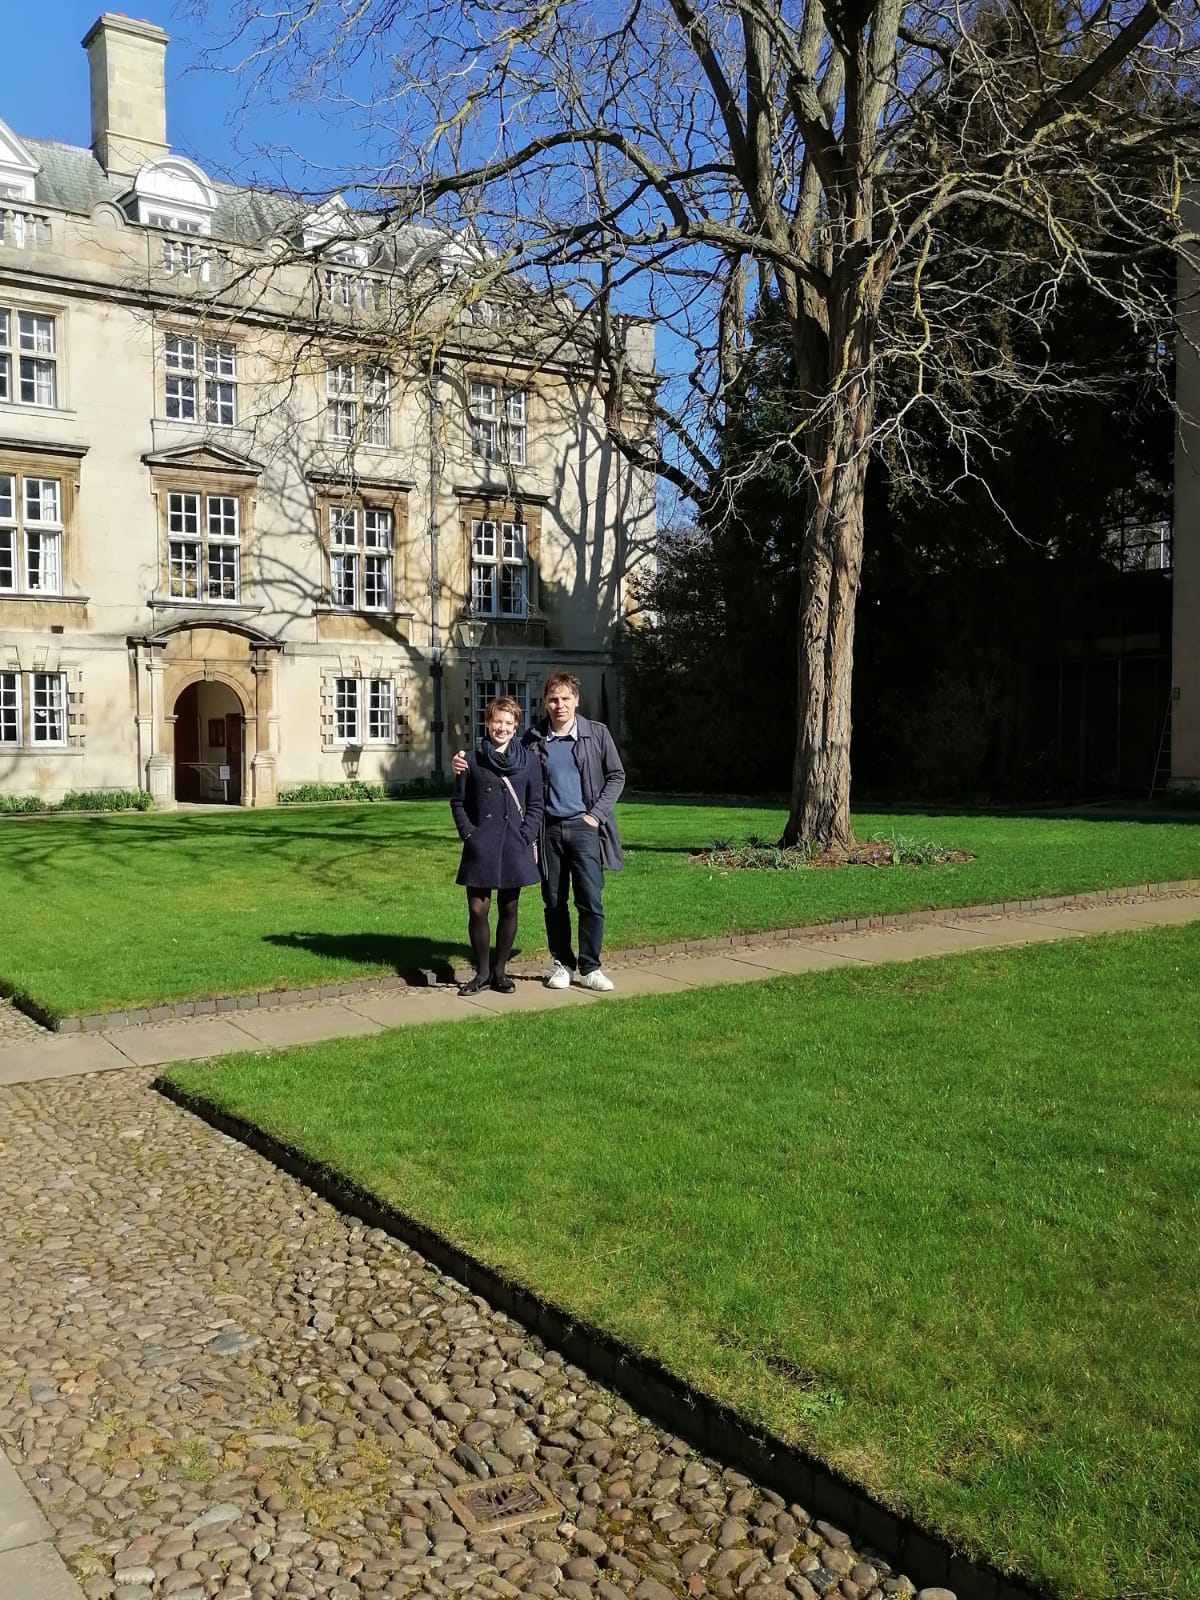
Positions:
(497, 805)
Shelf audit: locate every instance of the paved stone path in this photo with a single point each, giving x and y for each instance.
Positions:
(216, 1387)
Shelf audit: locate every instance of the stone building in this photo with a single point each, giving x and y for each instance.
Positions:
(284, 497)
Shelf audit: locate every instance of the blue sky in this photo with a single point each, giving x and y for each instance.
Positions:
(44, 89)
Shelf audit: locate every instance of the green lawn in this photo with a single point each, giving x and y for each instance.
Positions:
(936, 1223)
(103, 912)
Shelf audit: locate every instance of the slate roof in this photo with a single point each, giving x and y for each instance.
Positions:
(72, 179)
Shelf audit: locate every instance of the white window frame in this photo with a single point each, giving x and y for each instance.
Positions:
(364, 711)
(358, 404)
(31, 534)
(48, 700)
(200, 372)
(488, 689)
(499, 422)
(10, 710)
(361, 557)
(29, 358)
(204, 547)
(499, 561)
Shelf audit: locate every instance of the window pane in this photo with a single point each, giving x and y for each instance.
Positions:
(513, 541)
(38, 382)
(220, 401)
(10, 708)
(181, 354)
(343, 580)
(36, 334)
(42, 501)
(48, 707)
(8, 558)
(343, 527)
(183, 575)
(483, 591)
(381, 719)
(514, 406)
(223, 571)
(345, 711)
(377, 529)
(377, 583)
(339, 380)
(8, 508)
(183, 395)
(43, 566)
(183, 514)
(5, 376)
(342, 419)
(483, 541)
(220, 360)
(483, 399)
(512, 591)
(222, 516)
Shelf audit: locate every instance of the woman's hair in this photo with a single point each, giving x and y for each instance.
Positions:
(495, 707)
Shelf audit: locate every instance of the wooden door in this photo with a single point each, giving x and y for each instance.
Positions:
(234, 744)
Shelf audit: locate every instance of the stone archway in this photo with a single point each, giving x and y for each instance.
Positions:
(210, 744)
(190, 675)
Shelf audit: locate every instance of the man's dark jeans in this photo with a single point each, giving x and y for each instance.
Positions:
(572, 861)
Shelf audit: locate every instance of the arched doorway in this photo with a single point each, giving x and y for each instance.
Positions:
(210, 744)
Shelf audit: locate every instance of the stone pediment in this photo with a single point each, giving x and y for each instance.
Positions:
(203, 458)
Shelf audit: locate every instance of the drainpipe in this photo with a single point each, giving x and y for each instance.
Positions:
(438, 725)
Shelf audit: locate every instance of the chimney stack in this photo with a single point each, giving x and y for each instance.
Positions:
(129, 101)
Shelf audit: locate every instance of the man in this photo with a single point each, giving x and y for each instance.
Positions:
(582, 777)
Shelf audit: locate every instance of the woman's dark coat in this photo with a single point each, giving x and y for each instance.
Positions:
(498, 842)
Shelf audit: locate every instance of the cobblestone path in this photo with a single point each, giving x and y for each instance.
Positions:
(216, 1385)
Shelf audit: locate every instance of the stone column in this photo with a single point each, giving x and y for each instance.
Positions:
(160, 763)
(262, 764)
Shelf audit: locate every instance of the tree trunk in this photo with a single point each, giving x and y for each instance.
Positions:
(831, 563)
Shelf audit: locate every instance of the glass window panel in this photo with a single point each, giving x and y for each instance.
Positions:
(377, 583)
(8, 559)
(10, 708)
(381, 715)
(183, 514)
(377, 529)
(345, 711)
(43, 502)
(343, 527)
(223, 571)
(36, 333)
(512, 591)
(483, 541)
(48, 708)
(43, 563)
(343, 580)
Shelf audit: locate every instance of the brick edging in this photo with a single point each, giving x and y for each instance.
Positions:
(266, 999)
(709, 1427)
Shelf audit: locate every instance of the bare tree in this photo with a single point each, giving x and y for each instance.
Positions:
(677, 160)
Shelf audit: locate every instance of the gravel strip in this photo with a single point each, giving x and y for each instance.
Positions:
(17, 1028)
(219, 1388)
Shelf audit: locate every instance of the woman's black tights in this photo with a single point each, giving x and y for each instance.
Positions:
(479, 905)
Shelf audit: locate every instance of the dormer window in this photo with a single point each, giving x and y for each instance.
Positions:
(174, 194)
(18, 169)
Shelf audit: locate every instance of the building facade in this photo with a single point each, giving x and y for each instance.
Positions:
(284, 496)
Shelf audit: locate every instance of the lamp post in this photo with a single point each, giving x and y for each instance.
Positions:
(470, 633)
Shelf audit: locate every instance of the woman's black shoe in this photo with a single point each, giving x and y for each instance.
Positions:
(475, 985)
(503, 985)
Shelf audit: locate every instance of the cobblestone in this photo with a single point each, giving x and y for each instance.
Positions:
(219, 1388)
(16, 1027)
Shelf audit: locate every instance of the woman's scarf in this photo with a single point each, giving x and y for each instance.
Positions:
(504, 764)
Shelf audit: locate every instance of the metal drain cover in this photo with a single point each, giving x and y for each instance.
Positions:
(501, 1503)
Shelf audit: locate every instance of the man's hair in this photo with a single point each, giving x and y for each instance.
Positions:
(561, 679)
(495, 707)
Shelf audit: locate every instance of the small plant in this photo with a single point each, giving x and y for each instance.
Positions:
(105, 800)
(21, 804)
(905, 851)
(357, 789)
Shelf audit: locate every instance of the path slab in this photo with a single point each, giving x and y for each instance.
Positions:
(332, 1019)
(36, 1572)
(21, 1522)
(771, 960)
(58, 1056)
(695, 971)
(160, 1042)
(392, 1010)
(911, 944)
(657, 979)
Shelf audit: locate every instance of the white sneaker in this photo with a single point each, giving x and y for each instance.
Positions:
(595, 980)
(560, 978)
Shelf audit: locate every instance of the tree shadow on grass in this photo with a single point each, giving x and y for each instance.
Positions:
(420, 962)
